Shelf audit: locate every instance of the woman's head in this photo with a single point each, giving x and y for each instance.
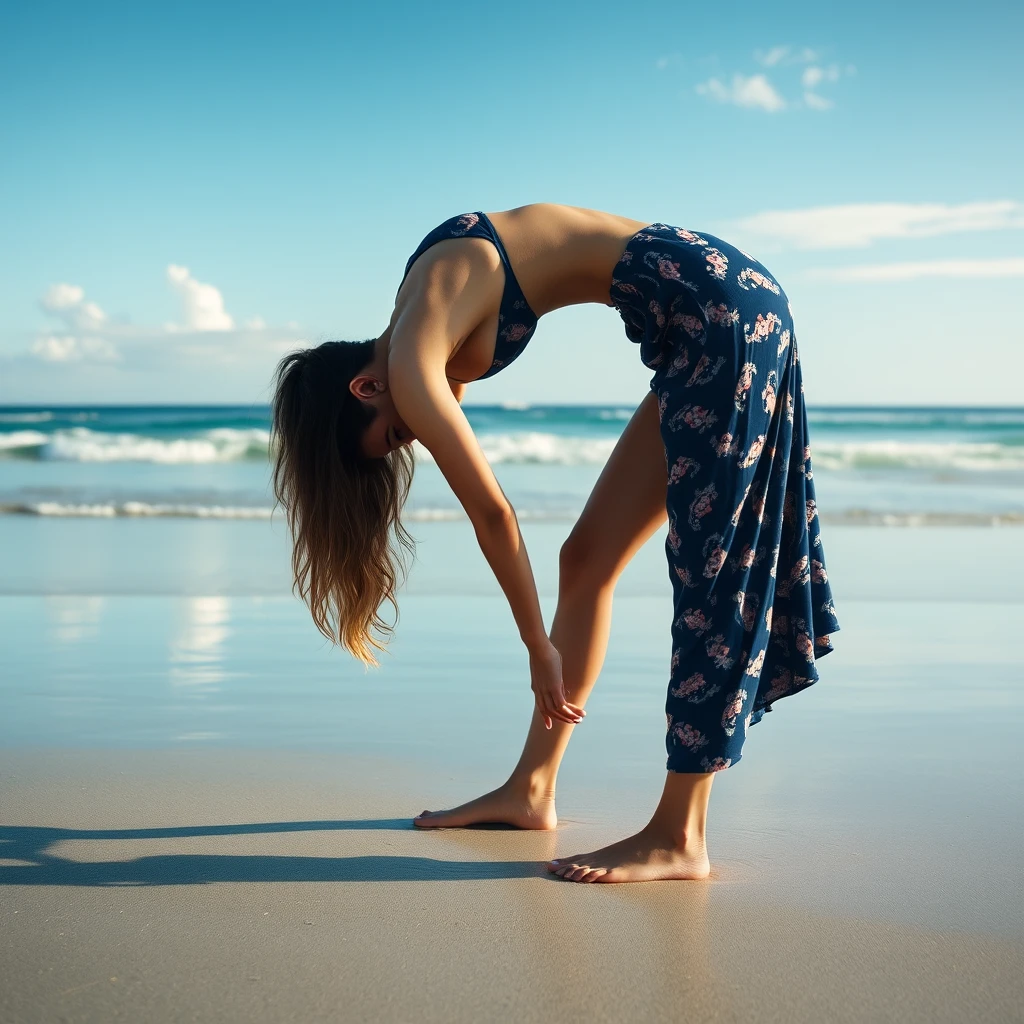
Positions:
(342, 470)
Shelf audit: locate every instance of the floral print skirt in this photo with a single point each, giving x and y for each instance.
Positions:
(753, 609)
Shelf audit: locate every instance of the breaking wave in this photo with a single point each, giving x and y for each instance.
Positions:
(228, 444)
(80, 444)
(922, 455)
(156, 510)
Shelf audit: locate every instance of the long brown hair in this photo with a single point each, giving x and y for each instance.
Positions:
(349, 545)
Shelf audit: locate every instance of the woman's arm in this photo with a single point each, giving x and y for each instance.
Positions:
(425, 400)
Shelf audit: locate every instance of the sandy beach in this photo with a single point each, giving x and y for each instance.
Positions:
(206, 811)
(239, 887)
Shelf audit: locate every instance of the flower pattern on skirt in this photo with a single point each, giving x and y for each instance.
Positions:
(753, 605)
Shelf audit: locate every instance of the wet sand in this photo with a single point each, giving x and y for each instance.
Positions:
(166, 886)
(205, 812)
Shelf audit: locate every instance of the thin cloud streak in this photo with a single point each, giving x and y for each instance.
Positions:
(816, 102)
(877, 272)
(857, 225)
(66, 348)
(785, 55)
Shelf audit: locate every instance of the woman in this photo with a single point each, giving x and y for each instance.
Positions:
(718, 447)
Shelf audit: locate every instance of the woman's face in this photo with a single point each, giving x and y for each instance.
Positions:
(387, 431)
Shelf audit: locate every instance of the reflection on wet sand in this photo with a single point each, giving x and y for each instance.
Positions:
(196, 650)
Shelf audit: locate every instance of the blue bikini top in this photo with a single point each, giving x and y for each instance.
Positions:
(516, 321)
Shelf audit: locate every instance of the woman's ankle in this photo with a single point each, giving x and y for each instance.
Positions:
(681, 836)
(536, 786)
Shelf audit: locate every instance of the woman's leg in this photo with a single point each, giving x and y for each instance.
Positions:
(626, 506)
(672, 845)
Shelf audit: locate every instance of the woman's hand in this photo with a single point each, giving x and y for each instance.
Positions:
(546, 683)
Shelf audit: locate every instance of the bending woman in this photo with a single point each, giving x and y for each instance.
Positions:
(718, 447)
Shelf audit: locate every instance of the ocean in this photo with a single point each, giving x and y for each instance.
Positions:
(873, 466)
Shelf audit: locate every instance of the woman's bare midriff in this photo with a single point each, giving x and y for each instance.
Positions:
(563, 255)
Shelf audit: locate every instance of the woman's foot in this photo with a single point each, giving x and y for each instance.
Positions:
(518, 806)
(649, 856)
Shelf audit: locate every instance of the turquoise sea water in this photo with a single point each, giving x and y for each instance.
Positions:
(878, 466)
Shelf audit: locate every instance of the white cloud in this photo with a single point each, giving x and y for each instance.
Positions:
(856, 225)
(62, 296)
(778, 55)
(753, 92)
(814, 75)
(90, 357)
(1010, 267)
(53, 348)
(67, 301)
(773, 56)
(816, 102)
(202, 304)
(757, 91)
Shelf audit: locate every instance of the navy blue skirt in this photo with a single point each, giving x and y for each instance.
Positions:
(753, 609)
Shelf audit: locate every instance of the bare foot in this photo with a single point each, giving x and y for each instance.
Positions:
(507, 805)
(648, 856)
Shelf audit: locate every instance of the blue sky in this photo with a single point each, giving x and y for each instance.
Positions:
(188, 190)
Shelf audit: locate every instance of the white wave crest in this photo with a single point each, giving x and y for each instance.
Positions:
(962, 455)
(154, 510)
(19, 439)
(536, 448)
(223, 444)
(434, 515)
(135, 509)
(870, 517)
(145, 510)
(229, 444)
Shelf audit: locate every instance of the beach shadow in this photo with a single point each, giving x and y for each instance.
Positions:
(30, 846)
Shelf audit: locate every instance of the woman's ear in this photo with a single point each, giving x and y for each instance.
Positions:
(365, 386)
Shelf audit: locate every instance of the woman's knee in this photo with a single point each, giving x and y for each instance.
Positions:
(582, 562)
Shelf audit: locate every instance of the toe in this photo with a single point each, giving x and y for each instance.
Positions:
(577, 873)
(594, 875)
